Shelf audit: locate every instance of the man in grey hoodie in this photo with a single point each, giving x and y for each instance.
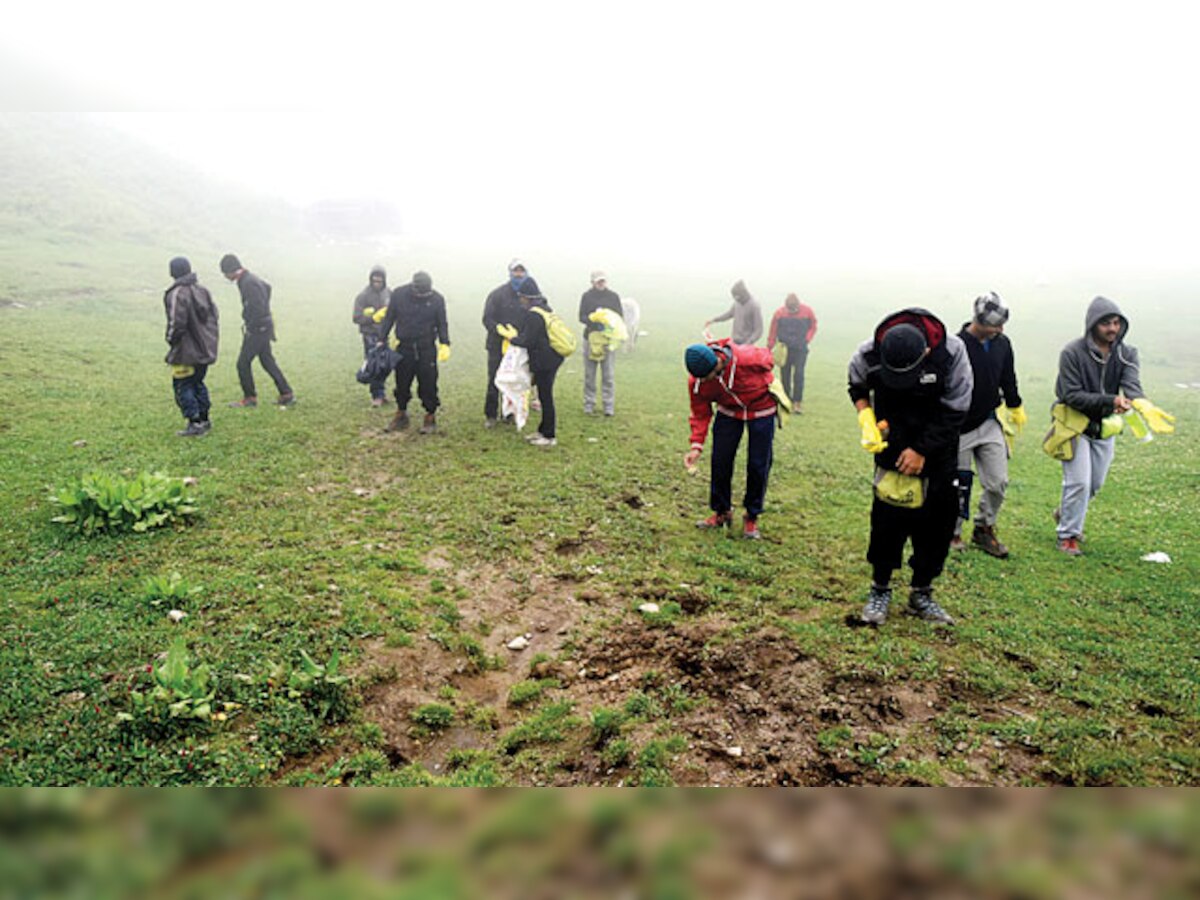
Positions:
(372, 301)
(746, 314)
(1097, 376)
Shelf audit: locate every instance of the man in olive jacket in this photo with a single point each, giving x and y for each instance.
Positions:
(192, 335)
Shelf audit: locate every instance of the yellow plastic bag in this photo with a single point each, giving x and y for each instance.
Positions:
(597, 346)
(1066, 425)
(783, 403)
(905, 491)
(779, 352)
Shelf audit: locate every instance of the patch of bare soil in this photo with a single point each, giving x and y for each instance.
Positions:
(762, 704)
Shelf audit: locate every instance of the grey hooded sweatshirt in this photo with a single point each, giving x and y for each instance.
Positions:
(747, 316)
(368, 296)
(1089, 380)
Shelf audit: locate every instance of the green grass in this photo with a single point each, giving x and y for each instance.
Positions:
(314, 533)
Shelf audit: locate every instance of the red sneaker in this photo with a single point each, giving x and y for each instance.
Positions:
(1070, 546)
(716, 520)
(750, 529)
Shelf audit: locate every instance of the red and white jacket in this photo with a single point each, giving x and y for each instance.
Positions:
(741, 390)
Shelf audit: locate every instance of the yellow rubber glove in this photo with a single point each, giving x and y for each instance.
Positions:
(1019, 417)
(1160, 421)
(872, 441)
(506, 331)
(394, 343)
(596, 316)
(443, 352)
(1007, 426)
(368, 311)
(1111, 426)
(380, 315)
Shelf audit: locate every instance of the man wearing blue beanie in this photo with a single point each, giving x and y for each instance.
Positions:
(734, 380)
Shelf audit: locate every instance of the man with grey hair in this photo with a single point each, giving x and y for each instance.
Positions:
(598, 354)
(746, 313)
(984, 439)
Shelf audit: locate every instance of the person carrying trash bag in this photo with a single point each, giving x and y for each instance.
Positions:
(370, 306)
(193, 334)
(993, 420)
(502, 318)
(544, 359)
(913, 380)
(1098, 383)
(418, 313)
(735, 381)
(601, 349)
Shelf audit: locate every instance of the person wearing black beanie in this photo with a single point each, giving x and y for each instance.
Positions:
(192, 337)
(258, 331)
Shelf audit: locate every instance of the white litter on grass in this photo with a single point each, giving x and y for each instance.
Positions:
(1157, 556)
(1181, 385)
(518, 643)
(177, 615)
(648, 608)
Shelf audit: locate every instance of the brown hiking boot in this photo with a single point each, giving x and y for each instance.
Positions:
(244, 403)
(399, 421)
(429, 426)
(984, 537)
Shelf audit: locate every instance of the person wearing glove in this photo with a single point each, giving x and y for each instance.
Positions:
(501, 310)
(418, 313)
(793, 326)
(599, 296)
(993, 420)
(916, 377)
(1098, 375)
(370, 306)
(734, 379)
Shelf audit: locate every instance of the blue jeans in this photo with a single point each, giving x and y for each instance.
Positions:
(727, 435)
(191, 395)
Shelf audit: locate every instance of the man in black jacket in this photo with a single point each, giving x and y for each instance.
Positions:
(418, 313)
(192, 335)
(258, 331)
(544, 360)
(598, 356)
(502, 318)
(983, 434)
(916, 378)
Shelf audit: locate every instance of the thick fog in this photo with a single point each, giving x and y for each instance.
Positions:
(866, 135)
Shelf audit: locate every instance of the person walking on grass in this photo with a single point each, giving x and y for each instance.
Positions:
(418, 313)
(371, 302)
(793, 327)
(1098, 379)
(258, 332)
(598, 297)
(735, 381)
(746, 313)
(917, 379)
(193, 333)
(502, 318)
(983, 439)
(544, 360)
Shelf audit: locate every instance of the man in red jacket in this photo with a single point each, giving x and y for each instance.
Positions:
(794, 325)
(735, 379)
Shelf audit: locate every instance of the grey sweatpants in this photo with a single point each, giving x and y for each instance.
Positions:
(985, 446)
(608, 386)
(1083, 476)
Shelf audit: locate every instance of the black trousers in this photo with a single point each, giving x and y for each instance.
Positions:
(930, 529)
(543, 380)
(417, 361)
(726, 436)
(792, 373)
(258, 344)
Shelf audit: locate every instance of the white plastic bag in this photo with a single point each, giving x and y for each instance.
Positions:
(514, 380)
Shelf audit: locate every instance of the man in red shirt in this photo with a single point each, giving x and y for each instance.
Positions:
(735, 379)
(794, 325)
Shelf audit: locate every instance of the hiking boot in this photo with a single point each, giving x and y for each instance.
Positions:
(288, 399)
(878, 601)
(1070, 546)
(922, 605)
(244, 403)
(206, 425)
(750, 529)
(957, 543)
(716, 520)
(194, 429)
(399, 421)
(540, 440)
(429, 426)
(984, 537)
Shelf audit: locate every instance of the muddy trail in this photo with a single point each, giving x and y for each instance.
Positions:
(743, 708)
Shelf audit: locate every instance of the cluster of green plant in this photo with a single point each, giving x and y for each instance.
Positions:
(433, 716)
(179, 692)
(99, 502)
(548, 725)
(318, 685)
(529, 691)
(173, 588)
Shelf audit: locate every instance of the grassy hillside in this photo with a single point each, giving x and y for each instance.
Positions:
(418, 559)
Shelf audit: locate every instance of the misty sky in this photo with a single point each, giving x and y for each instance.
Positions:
(864, 134)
